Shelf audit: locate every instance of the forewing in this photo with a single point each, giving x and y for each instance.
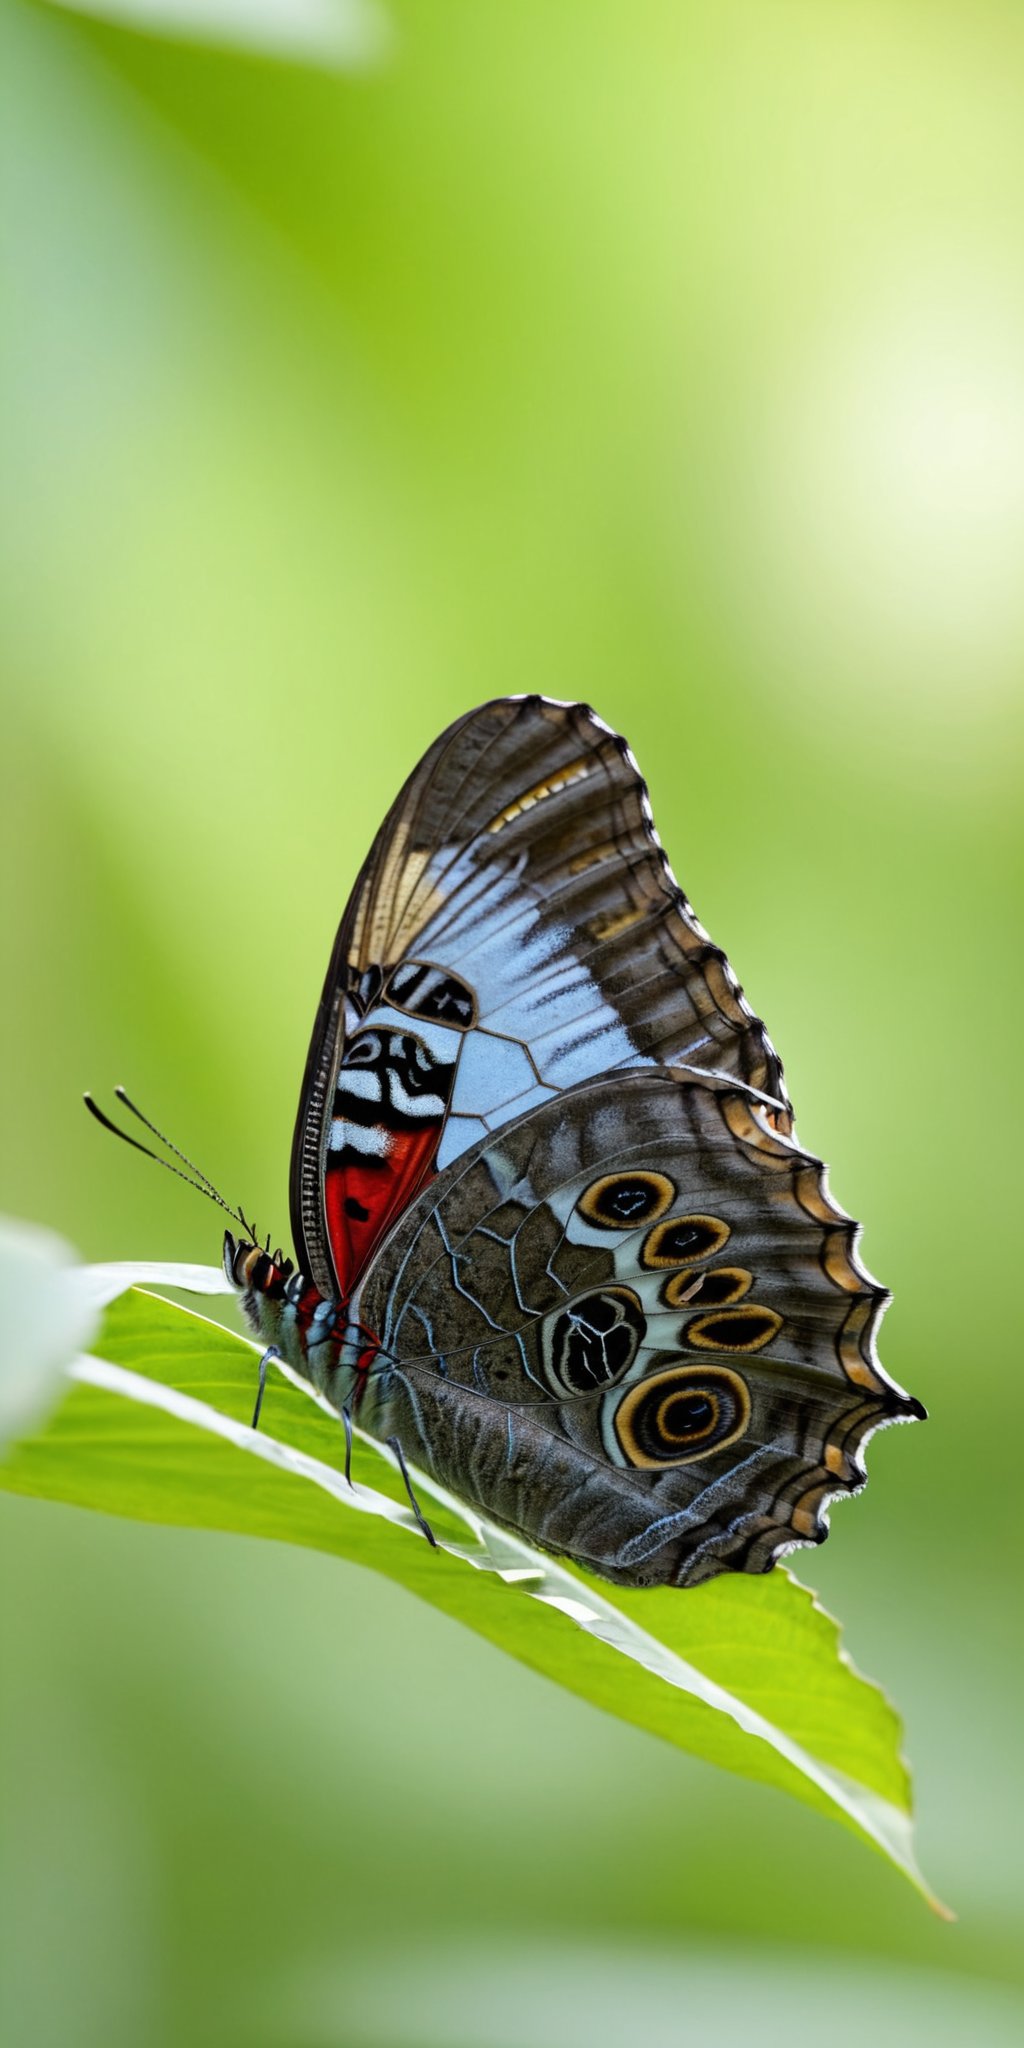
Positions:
(520, 878)
(633, 1327)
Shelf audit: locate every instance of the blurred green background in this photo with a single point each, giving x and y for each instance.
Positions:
(669, 355)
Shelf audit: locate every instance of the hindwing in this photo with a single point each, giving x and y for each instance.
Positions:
(632, 1326)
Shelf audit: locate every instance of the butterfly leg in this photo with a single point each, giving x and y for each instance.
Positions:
(394, 1445)
(346, 1416)
(271, 1352)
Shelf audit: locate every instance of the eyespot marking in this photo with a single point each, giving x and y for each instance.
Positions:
(682, 1239)
(620, 1201)
(593, 1341)
(717, 1287)
(683, 1413)
(738, 1329)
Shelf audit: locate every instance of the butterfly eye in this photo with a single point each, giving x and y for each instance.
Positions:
(594, 1341)
(682, 1239)
(714, 1289)
(620, 1201)
(680, 1414)
(736, 1329)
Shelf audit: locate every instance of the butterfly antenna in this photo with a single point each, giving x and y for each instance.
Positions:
(201, 1185)
(123, 1096)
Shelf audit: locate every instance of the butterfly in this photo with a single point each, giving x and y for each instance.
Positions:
(556, 1240)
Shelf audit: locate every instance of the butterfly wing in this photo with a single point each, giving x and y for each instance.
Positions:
(632, 1327)
(515, 929)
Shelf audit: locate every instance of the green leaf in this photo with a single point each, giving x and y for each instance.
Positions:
(747, 1673)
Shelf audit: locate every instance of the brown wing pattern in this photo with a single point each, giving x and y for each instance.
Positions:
(521, 855)
(565, 1365)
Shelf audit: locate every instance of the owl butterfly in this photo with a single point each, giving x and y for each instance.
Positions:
(556, 1238)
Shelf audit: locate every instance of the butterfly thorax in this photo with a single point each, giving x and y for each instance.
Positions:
(317, 1336)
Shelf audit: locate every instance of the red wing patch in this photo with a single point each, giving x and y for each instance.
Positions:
(391, 1096)
(362, 1198)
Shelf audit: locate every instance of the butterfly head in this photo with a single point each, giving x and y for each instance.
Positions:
(254, 1269)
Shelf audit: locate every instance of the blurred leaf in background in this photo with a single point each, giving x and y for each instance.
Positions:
(44, 1322)
(666, 355)
(339, 34)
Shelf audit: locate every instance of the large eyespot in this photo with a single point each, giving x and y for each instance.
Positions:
(713, 1288)
(594, 1341)
(431, 993)
(748, 1328)
(682, 1239)
(683, 1413)
(620, 1201)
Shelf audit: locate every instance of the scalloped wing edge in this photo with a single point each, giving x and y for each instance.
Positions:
(843, 1474)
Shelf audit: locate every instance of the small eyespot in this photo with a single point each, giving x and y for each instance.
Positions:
(593, 1342)
(683, 1413)
(621, 1201)
(737, 1329)
(682, 1239)
(714, 1288)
